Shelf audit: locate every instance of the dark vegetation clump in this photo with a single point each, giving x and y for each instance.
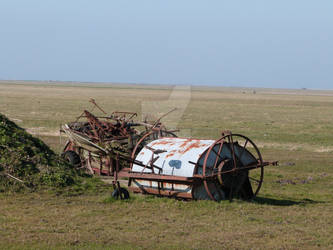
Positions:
(27, 162)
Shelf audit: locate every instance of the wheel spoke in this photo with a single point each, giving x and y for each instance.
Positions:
(233, 150)
(243, 150)
(218, 154)
(251, 178)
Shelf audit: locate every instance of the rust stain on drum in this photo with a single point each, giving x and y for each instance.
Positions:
(171, 153)
(196, 144)
(161, 143)
(184, 144)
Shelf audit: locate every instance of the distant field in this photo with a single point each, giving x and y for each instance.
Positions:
(294, 208)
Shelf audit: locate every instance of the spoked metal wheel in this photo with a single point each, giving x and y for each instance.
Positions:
(234, 162)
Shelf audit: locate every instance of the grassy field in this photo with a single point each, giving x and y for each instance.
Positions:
(294, 208)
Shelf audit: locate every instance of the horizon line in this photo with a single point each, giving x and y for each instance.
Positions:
(165, 84)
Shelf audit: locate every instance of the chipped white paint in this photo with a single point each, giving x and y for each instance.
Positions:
(175, 158)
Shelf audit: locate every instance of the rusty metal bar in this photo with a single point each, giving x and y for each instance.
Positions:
(157, 177)
(170, 193)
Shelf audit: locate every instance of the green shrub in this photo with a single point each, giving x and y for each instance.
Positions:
(30, 160)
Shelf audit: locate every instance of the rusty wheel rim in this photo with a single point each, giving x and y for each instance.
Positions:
(256, 181)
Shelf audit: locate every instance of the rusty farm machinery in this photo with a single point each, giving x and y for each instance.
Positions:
(155, 161)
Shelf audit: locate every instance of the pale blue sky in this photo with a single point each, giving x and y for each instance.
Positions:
(286, 44)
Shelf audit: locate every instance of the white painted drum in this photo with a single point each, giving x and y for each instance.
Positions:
(174, 156)
(184, 158)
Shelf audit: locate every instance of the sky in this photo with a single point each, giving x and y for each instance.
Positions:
(273, 44)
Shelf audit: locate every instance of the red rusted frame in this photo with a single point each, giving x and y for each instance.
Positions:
(100, 129)
(94, 122)
(168, 193)
(96, 105)
(103, 131)
(160, 179)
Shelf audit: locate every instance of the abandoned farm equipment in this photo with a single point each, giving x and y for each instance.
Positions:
(155, 161)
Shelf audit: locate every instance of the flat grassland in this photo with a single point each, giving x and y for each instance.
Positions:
(294, 208)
